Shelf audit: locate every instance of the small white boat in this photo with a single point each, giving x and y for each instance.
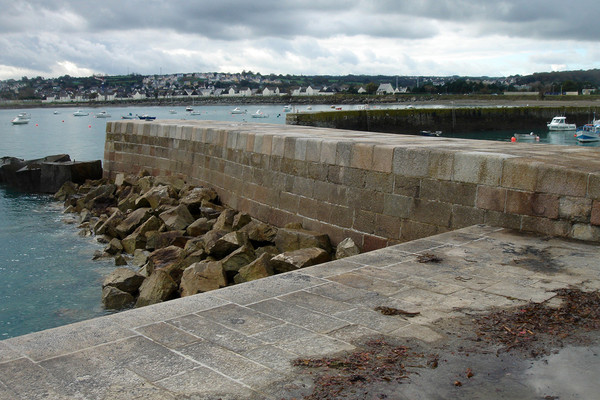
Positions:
(560, 124)
(195, 112)
(128, 116)
(287, 108)
(56, 113)
(80, 113)
(172, 112)
(103, 114)
(238, 111)
(431, 133)
(189, 108)
(21, 119)
(260, 114)
(526, 137)
(588, 133)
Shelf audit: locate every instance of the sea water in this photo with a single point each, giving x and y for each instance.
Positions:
(47, 275)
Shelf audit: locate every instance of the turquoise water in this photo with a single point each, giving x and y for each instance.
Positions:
(47, 276)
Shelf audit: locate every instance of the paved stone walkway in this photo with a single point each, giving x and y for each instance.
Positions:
(238, 342)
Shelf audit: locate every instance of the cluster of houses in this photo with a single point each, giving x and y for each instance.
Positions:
(233, 91)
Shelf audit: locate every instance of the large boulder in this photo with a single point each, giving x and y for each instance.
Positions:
(124, 279)
(240, 220)
(226, 244)
(173, 181)
(156, 196)
(169, 259)
(67, 189)
(257, 269)
(199, 227)
(346, 248)
(132, 221)
(177, 218)
(115, 299)
(202, 277)
(294, 239)
(259, 232)
(133, 242)
(194, 198)
(225, 220)
(157, 240)
(302, 258)
(238, 259)
(158, 287)
(108, 226)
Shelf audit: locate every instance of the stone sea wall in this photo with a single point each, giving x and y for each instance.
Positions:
(375, 188)
(458, 119)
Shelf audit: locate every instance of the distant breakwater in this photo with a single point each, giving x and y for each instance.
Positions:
(451, 119)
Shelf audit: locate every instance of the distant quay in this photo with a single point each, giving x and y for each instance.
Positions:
(416, 99)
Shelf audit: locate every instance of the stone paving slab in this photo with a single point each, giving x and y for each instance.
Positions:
(239, 342)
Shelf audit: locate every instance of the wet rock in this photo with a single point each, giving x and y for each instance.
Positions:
(202, 277)
(302, 258)
(156, 288)
(169, 259)
(115, 299)
(294, 239)
(108, 226)
(114, 247)
(257, 269)
(346, 248)
(67, 189)
(124, 279)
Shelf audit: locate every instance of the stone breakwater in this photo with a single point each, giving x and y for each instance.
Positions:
(178, 240)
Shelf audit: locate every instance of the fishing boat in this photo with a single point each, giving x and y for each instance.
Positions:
(238, 111)
(588, 133)
(189, 108)
(103, 114)
(128, 116)
(560, 124)
(260, 114)
(146, 117)
(21, 119)
(80, 113)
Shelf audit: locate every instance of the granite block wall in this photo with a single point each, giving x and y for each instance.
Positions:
(376, 188)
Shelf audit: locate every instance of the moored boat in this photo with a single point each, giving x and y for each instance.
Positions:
(560, 124)
(80, 113)
(103, 114)
(526, 137)
(238, 111)
(146, 117)
(260, 114)
(588, 133)
(21, 119)
(128, 116)
(430, 133)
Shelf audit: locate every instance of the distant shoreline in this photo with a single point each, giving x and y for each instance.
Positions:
(458, 100)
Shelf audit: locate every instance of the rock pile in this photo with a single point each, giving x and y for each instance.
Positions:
(178, 240)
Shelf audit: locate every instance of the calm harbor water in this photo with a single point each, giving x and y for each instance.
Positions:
(47, 276)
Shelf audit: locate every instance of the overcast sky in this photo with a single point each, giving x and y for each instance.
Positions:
(51, 38)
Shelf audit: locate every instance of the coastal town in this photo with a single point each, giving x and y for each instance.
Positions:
(186, 86)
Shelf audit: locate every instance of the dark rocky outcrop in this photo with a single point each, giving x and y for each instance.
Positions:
(47, 174)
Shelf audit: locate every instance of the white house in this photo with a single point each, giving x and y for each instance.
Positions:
(385, 88)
